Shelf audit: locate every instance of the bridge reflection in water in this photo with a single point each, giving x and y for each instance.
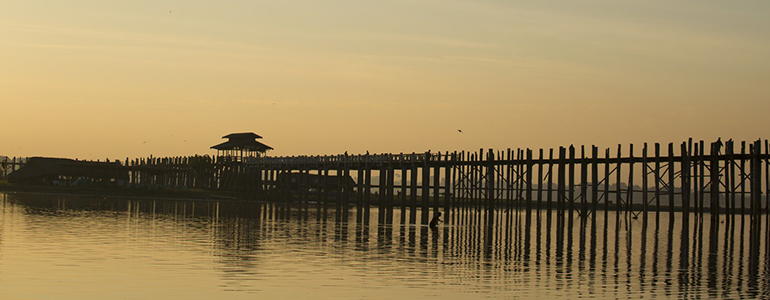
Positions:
(495, 252)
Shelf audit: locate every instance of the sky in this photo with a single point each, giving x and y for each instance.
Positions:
(126, 79)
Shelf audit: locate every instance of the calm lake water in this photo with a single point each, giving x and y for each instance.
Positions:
(70, 247)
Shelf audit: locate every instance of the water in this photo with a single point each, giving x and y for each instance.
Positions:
(69, 247)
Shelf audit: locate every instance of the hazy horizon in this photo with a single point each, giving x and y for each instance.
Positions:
(94, 80)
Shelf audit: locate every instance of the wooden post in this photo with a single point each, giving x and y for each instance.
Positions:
(490, 193)
(728, 178)
(690, 167)
(413, 190)
(671, 184)
(448, 167)
(512, 179)
(456, 181)
(714, 174)
(685, 179)
(404, 176)
(630, 193)
(382, 191)
(583, 182)
(645, 200)
(469, 183)
(694, 180)
(594, 178)
(345, 187)
(528, 193)
(391, 188)
(425, 188)
(540, 182)
(474, 169)
(508, 195)
(767, 181)
(561, 194)
(743, 179)
(702, 178)
(437, 183)
(756, 181)
(618, 178)
(606, 184)
(519, 174)
(550, 183)
(358, 165)
(571, 182)
(657, 179)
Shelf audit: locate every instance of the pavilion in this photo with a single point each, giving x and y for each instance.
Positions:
(242, 145)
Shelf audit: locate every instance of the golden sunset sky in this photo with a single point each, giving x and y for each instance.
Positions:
(116, 79)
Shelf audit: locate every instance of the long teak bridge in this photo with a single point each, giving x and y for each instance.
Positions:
(730, 179)
(690, 177)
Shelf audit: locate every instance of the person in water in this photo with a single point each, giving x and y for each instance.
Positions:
(434, 222)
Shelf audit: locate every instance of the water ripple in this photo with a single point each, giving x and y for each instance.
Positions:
(81, 248)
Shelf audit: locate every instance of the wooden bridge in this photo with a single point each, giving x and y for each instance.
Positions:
(691, 177)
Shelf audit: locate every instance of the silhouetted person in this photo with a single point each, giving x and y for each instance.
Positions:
(434, 222)
(719, 145)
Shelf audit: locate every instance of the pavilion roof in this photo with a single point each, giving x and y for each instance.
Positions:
(242, 135)
(242, 141)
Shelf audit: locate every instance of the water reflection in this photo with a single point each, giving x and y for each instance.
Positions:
(315, 249)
